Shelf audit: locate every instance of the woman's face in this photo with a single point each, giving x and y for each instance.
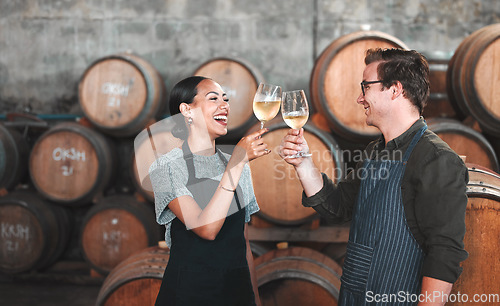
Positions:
(214, 106)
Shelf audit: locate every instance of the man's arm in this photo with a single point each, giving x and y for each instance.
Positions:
(320, 193)
(440, 206)
(308, 174)
(437, 291)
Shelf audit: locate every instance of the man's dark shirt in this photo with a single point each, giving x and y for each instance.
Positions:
(434, 198)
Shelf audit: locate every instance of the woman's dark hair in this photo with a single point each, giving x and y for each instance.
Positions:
(183, 92)
(406, 66)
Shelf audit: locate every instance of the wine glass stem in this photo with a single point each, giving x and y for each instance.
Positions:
(262, 125)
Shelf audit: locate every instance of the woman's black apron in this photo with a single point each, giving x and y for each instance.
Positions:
(204, 272)
(383, 261)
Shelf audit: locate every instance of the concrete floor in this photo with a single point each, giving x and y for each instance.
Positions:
(17, 293)
(66, 283)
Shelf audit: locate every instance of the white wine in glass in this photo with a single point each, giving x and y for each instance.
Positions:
(295, 112)
(266, 103)
(295, 120)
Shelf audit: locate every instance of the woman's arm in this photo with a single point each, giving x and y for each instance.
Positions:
(207, 223)
(251, 267)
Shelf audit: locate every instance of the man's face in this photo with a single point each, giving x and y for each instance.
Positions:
(376, 100)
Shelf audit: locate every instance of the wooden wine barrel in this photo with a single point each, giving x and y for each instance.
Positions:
(239, 79)
(14, 152)
(276, 185)
(34, 232)
(472, 77)
(453, 89)
(465, 141)
(135, 281)
(142, 184)
(438, 105)
(114, 228)
(297, 276)
(482, 237)
(150, 144)
(71, 163)
(495, 143)
(260, 248)
(336, 251)
(335, 82)
(121, 93)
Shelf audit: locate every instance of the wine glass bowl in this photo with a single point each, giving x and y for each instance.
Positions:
(266, 103)
(295, 112)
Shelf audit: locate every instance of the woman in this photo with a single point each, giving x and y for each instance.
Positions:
(204, 200)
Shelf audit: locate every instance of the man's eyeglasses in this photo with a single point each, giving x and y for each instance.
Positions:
(364, 83)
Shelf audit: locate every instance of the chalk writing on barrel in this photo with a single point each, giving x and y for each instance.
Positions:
(114, 90)
(12, 233)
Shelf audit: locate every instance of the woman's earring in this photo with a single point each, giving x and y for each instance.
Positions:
(190, 120)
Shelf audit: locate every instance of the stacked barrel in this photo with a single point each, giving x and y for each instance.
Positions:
(88, 187)
(61, 198)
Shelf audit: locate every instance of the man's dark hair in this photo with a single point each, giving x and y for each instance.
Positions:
(406, 66)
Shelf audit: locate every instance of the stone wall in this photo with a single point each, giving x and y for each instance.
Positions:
(45, 45)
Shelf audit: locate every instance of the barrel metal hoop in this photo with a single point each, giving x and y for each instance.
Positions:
(483, 191)
(306, 259)
(300, 274)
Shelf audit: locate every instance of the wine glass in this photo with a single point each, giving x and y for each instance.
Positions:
(295, 112)
(266, 103)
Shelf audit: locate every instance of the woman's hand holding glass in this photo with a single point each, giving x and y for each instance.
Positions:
(250, 147)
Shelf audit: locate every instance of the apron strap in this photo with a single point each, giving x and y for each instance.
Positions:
(413, 143)
(188, 158)
(150, 135)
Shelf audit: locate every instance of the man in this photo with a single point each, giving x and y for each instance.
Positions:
(406, 200)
